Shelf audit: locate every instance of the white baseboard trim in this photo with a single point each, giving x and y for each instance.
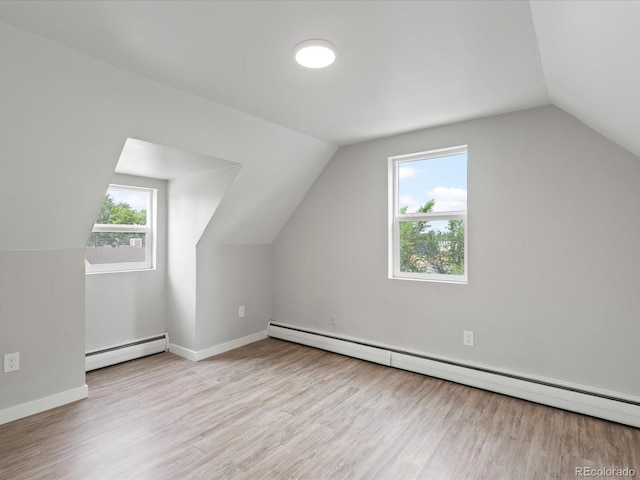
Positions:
(36, 406)
(183, 352)
(115, 354)
(225, 347)
(546, 394)
(583, 399)
(216, 349)
(332, 344)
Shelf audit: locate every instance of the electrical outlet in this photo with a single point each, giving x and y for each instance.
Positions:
(467, 338)
(241, 311)
(11, 362)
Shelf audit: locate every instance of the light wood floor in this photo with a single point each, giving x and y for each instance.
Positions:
(276, 410)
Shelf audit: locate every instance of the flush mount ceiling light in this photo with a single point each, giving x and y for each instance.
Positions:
(315, 53)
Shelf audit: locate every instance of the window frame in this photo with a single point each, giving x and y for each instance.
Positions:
(149, 230)
(395, 218)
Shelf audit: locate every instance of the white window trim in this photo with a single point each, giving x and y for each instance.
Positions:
(395, 218)
(149, 230)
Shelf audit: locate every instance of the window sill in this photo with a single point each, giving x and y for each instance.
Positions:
(462, 281)
(125, 270)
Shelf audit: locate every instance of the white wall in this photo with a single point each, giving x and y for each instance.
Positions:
(229, 276)
(192, 202)
(553, 286)
(41, 321)
(126, 306)
(64, 120)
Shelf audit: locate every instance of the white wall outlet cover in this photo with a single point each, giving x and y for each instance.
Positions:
(11, 362)
(468, 338)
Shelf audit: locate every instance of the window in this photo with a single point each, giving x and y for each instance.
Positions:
(428, 215)
(122, 237)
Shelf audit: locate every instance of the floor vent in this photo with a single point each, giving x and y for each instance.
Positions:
(127, 351)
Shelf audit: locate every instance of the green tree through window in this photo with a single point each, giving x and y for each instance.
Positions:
(424, 249)
(120, 213)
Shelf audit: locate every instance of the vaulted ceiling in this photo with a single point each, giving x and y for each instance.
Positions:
(401, 65)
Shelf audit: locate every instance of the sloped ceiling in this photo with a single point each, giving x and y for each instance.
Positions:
(590, 54)
(65, 118)
(147, 159)
(401, 65)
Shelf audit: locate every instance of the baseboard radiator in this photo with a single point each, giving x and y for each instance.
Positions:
(576, 398)
(127, 351)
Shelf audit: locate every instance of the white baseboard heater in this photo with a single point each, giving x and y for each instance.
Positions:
(576, 398)
(127, 351)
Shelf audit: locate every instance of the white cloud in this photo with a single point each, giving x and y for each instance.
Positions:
(136, 200)
(411, 203)
(407, 172)
(448, 199)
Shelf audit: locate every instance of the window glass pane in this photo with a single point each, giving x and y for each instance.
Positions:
(432, 247)
(116, 247)
(124, 207)
(433, 185)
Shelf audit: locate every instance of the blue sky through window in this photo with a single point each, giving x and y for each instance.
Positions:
(443, 178)
(137, 200)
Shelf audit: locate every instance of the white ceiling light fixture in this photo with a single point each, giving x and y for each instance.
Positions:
(315, 53)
